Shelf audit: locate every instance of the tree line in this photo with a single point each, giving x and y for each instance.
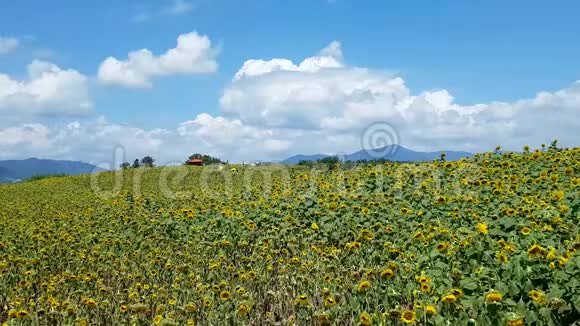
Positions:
(149, 161)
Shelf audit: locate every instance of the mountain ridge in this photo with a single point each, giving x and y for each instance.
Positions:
(395, 153)
(18, 170)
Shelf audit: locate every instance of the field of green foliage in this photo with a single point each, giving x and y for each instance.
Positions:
(491, 240)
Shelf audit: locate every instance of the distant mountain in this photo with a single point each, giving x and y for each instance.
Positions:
(297, 158)
(394, 153)
(17, 170)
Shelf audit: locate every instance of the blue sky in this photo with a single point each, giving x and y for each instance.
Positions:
(479, 52)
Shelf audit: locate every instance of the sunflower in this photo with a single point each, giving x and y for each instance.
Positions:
(240, 290)
(510, 247)
(405, 210)
(364, 286)
(457, 292)
(157, 320)
(537, 296)
(387, 273)
(424, 279)
(123, 308)
(191, 307)
(514, 319)
(449, 298)
(329, 302)
(536, 251)
(302, 299)
(442, 246)
(323, 319)
(556, 303)
(552, 254)
(408, 316)
(481, 228)
(493, 296)
(501, 257)
(367, 235)
(225, 295)
(365, 319)
(243, 309)
(21, 314)
(430, 310)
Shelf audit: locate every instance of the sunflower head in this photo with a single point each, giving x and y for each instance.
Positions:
(365, 319)
(493, 297)
(430, 310)
(408, 316)
(364, 285)
(449, 298)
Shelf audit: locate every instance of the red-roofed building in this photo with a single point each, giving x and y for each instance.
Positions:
(195, 162)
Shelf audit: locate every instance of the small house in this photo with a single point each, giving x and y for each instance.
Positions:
(195, 162)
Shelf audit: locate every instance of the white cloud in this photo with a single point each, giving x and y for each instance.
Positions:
(48, 90)
(330, 57)
(274, 108)
(192, 55)
(96, 141)
(8, 44)
(325, 95)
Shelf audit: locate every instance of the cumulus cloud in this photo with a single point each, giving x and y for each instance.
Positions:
(330, 57)
(192, 55)
(47, 90)
(276, 108)
(98, 140)
(324, 94)
(8, 44)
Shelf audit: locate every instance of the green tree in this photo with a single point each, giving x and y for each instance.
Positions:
(207, 159)
(136, 163)
(329, 160)
(147, 161)
(125, 165)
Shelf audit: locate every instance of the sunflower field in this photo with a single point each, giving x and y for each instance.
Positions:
(491, 240)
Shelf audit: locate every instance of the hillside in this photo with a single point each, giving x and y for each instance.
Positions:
(14, 170)
(493, 238)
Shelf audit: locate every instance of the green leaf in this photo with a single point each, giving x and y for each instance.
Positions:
(545, 312)
(577, 303)
(531, 317)
(439, 320)
(468, 284)
(562, 275)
